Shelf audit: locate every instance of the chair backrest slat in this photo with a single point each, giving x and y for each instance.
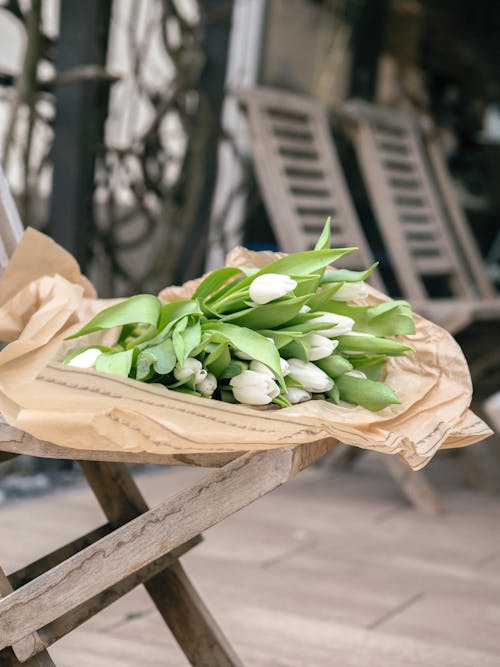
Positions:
(11, 228)
(299, 173)
(412, 217)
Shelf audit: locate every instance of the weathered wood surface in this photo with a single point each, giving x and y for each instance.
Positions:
(8, 657)
(330, 569)
(135, 544)
(13, 442)
(299, 173)
(52, 632)
(411, 222)
(11, 228)
(174, 595)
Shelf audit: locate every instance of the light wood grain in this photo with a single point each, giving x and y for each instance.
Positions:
(175, 597)
(130, 547)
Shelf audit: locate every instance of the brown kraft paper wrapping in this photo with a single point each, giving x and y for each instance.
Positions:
(44, 298)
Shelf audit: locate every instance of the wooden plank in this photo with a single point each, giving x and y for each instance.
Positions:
(13, 441)
(460, 226)
(414, 485)
(62, 626)
(149, 536)
(45, 563)
(11, 228)
(8, 656)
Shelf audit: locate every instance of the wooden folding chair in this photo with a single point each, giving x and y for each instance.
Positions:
(419, 217)
(52, 596)
(301, 180)
(428, 237)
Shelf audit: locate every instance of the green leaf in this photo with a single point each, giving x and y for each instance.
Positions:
(372, 395)
(322, 298)
(282, 402)
(171, 313)
(372, 367)
(218, 360)
(325, 240)
(226, 395)
(178, 340)
(390, 318)
(292, 382)
(298, 264)
(214, 281)
(192, 337)
(269, 315)
(296, 349)
(250, 343)
(306, 285)
(334, 365)
(333, 395)
(144, 366)
(346, 275)
(372, 345)
(116, 363)
(235, 367)
(79, 350)
(280, 339)
(165, 357)
(143, 309)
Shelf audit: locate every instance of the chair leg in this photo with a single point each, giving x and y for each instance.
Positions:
(7, 656)
(175, 597)
(414, 485)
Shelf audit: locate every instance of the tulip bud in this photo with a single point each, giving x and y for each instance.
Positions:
(297, 395)
(305, 309)
(356, 333)
(310, 376)
(356, 374)
(270, 286)
(85, 359)
(351, 292)
(320, 346)
(191, 368)
(254, 388)
(208, 385)
(339, 325)
(259, 367)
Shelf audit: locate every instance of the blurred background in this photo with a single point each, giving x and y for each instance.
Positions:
(120, 136)
(124, 137)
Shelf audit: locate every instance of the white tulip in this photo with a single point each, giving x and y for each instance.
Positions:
(259, 367)
(85, 359)
(351, 292)
(356, 374)
(305, 309)
(320, 346)
(285, 367)
(270, 286)
(339, 325)
(191, 368)
(208, 385)
(297, 395)
(310, 376)
(254, 388)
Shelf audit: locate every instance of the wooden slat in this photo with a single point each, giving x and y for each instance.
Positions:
(149, 536)
(14, 441)
(278, 174)
(62, 626)
(45, 563)
(381, 174)
(30, 639)
(460, 226)
(11, 229)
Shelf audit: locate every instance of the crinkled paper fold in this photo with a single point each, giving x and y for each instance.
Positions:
(44, 298)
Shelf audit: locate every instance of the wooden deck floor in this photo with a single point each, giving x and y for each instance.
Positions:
(332, 570)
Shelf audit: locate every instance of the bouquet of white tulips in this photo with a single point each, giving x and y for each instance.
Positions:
(283, 335)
